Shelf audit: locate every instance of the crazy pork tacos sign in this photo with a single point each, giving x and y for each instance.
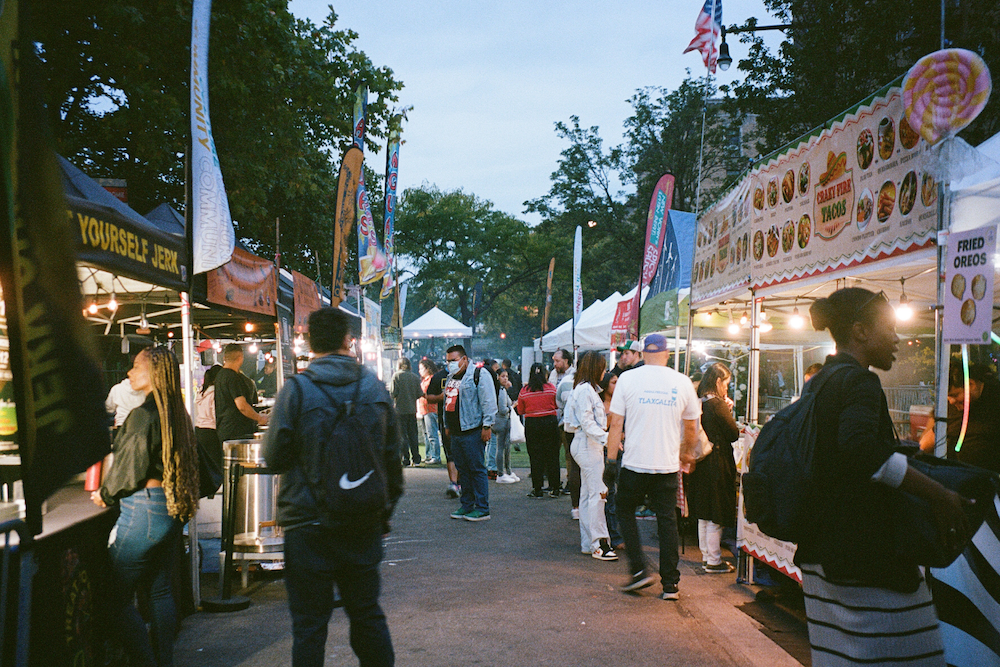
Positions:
(854, 191)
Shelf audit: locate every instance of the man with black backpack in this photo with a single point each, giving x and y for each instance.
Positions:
(334, 439)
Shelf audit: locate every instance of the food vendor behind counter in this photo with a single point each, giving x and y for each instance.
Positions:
(981, 445)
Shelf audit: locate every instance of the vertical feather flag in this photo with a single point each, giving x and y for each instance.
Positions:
(58, 389)
(371, 257)
(656, 231)
(212, 235)
(548, 296)
(391, 176)
(707, 29)
(347, 190)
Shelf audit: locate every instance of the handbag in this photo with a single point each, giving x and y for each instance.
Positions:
(915, 533)
(516, 429)
(704, 446)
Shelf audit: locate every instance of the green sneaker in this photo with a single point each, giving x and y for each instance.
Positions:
(460, 513)
(476, 515)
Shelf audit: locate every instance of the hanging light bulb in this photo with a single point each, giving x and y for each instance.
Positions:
(763, 314)
(248, 327)
(744, 318)
(765, 327)
(904, 311)
(113, 303)
(796, 321)
(252, 349)
(733, 328)
(92, 308)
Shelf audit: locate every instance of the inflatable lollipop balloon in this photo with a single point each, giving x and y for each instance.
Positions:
(945, 91)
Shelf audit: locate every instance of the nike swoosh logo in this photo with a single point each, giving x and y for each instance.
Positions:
(347, 484)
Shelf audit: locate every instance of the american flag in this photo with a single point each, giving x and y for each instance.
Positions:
(708, 30)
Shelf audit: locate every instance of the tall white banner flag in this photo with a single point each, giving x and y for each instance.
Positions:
(212, 231)
(577, 284)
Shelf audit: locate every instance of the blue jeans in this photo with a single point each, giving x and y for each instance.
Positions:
(316, 559)
(662, 492)
(491, 452)
(142, 558)
(469, 449)
(433, 447)
(501, 434)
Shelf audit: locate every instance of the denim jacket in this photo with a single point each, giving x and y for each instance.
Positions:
(477, 405)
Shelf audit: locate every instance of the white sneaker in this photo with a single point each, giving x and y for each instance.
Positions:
(515, 478)
(575, 513)
(504, 479)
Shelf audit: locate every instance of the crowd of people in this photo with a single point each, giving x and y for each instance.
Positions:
(630, 436)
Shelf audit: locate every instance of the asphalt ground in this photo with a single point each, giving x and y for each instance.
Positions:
(514, 590)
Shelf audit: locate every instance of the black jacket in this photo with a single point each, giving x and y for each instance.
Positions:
(138, 450)
(711, 486)
(851, 534)
(282, 446)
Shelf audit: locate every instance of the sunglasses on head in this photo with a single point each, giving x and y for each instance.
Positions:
(869, 301)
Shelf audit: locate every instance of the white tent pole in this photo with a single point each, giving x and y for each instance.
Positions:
(799, 369)
(188, 337)
(677, 348)
(753, 365)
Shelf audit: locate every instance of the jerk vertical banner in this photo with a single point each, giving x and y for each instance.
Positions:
(656, 223)
(212, 234)
(57, 381)
(391, 176)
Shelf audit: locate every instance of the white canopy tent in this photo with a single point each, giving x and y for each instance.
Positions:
(593, 331)
(436, 323)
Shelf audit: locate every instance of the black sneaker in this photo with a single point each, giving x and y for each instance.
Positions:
(604, 552)
(554, 494)
(670, 592)
(536, 494)
(639, 580)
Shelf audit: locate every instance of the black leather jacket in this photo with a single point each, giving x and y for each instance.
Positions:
(138, 450)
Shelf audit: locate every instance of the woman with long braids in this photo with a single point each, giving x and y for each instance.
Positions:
(154, 480)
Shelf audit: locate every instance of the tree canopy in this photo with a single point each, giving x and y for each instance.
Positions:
(837, 54)
(281, 97)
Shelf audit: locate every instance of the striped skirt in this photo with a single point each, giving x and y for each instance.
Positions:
(861, 625)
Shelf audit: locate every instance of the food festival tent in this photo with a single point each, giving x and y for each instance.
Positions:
(436, 323)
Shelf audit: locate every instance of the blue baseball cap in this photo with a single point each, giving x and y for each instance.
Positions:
(654, 343)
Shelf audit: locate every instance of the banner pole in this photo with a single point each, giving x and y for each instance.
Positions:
(188, 347)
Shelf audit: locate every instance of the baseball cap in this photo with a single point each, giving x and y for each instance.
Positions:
(654, 343)
(630, 345)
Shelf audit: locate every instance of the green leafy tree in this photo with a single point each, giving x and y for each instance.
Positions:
(837, 54)
(587, 191)
(281, 99)
(449, 241)
(664, 136)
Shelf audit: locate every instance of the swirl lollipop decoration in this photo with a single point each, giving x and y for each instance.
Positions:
(945, 91)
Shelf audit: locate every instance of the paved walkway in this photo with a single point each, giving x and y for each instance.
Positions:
(510, 591)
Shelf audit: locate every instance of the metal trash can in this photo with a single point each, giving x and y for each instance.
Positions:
(256, 498)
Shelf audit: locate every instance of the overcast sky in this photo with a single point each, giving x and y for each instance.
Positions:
(488, 80)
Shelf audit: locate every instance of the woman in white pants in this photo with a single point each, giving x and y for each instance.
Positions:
(711, 486)
(586, 419)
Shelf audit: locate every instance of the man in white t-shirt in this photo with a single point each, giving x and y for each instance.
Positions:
(660, 411)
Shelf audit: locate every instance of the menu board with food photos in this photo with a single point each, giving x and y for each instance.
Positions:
(722, 248)
(851, 193)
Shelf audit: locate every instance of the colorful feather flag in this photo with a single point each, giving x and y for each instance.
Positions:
(391, 176)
